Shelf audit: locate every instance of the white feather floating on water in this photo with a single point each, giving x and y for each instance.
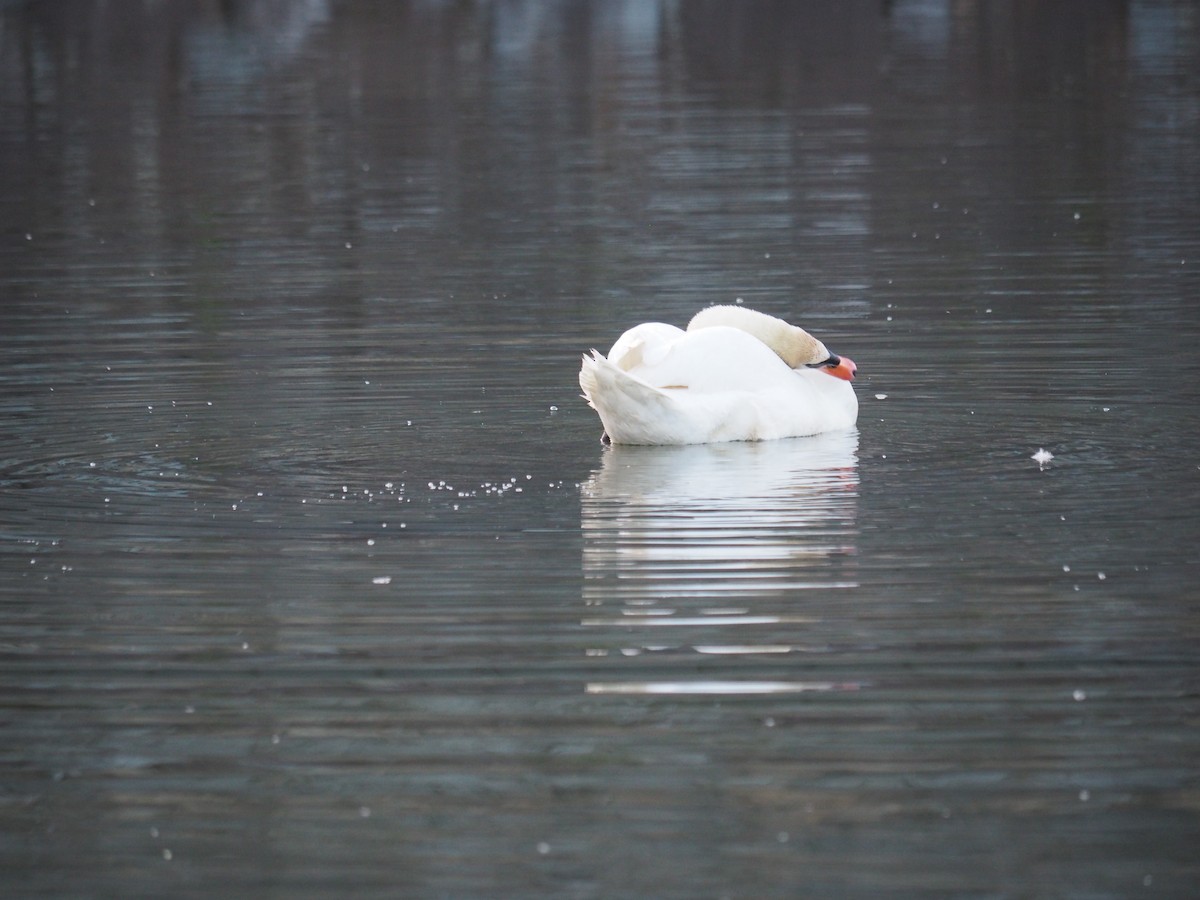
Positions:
(1042, 456)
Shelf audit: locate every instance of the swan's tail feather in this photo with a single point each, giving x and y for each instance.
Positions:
(632, 411)
(588, 381)
(602, 381)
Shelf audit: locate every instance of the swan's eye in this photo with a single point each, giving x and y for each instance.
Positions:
(832, 363)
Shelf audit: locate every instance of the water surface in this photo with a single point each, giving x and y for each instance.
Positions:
(316, 579)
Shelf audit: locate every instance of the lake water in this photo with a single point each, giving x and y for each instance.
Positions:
(316, 581)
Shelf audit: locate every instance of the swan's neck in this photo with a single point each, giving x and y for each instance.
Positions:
(795, 346)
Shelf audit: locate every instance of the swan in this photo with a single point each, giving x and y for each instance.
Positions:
(735, 374)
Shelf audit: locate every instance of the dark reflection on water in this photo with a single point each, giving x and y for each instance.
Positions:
(316, 579)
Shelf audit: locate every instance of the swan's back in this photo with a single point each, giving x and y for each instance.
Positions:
(710, 360)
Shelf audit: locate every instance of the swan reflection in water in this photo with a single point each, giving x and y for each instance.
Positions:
(716, 555)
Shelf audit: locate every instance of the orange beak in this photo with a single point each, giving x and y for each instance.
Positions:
(845, 369)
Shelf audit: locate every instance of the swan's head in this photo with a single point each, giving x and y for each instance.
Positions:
(838, 366)
(795, 346)
(799, 348)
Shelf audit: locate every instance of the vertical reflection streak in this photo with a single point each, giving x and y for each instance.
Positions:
(673, 537)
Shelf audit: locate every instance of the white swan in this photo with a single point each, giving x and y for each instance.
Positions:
(734, 375)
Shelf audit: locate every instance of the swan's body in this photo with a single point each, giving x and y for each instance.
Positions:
(724, 379)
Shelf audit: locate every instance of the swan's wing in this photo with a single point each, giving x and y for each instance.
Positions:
(713, 360)
(643, 345)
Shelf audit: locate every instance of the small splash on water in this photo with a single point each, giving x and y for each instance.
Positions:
(1042, 457)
